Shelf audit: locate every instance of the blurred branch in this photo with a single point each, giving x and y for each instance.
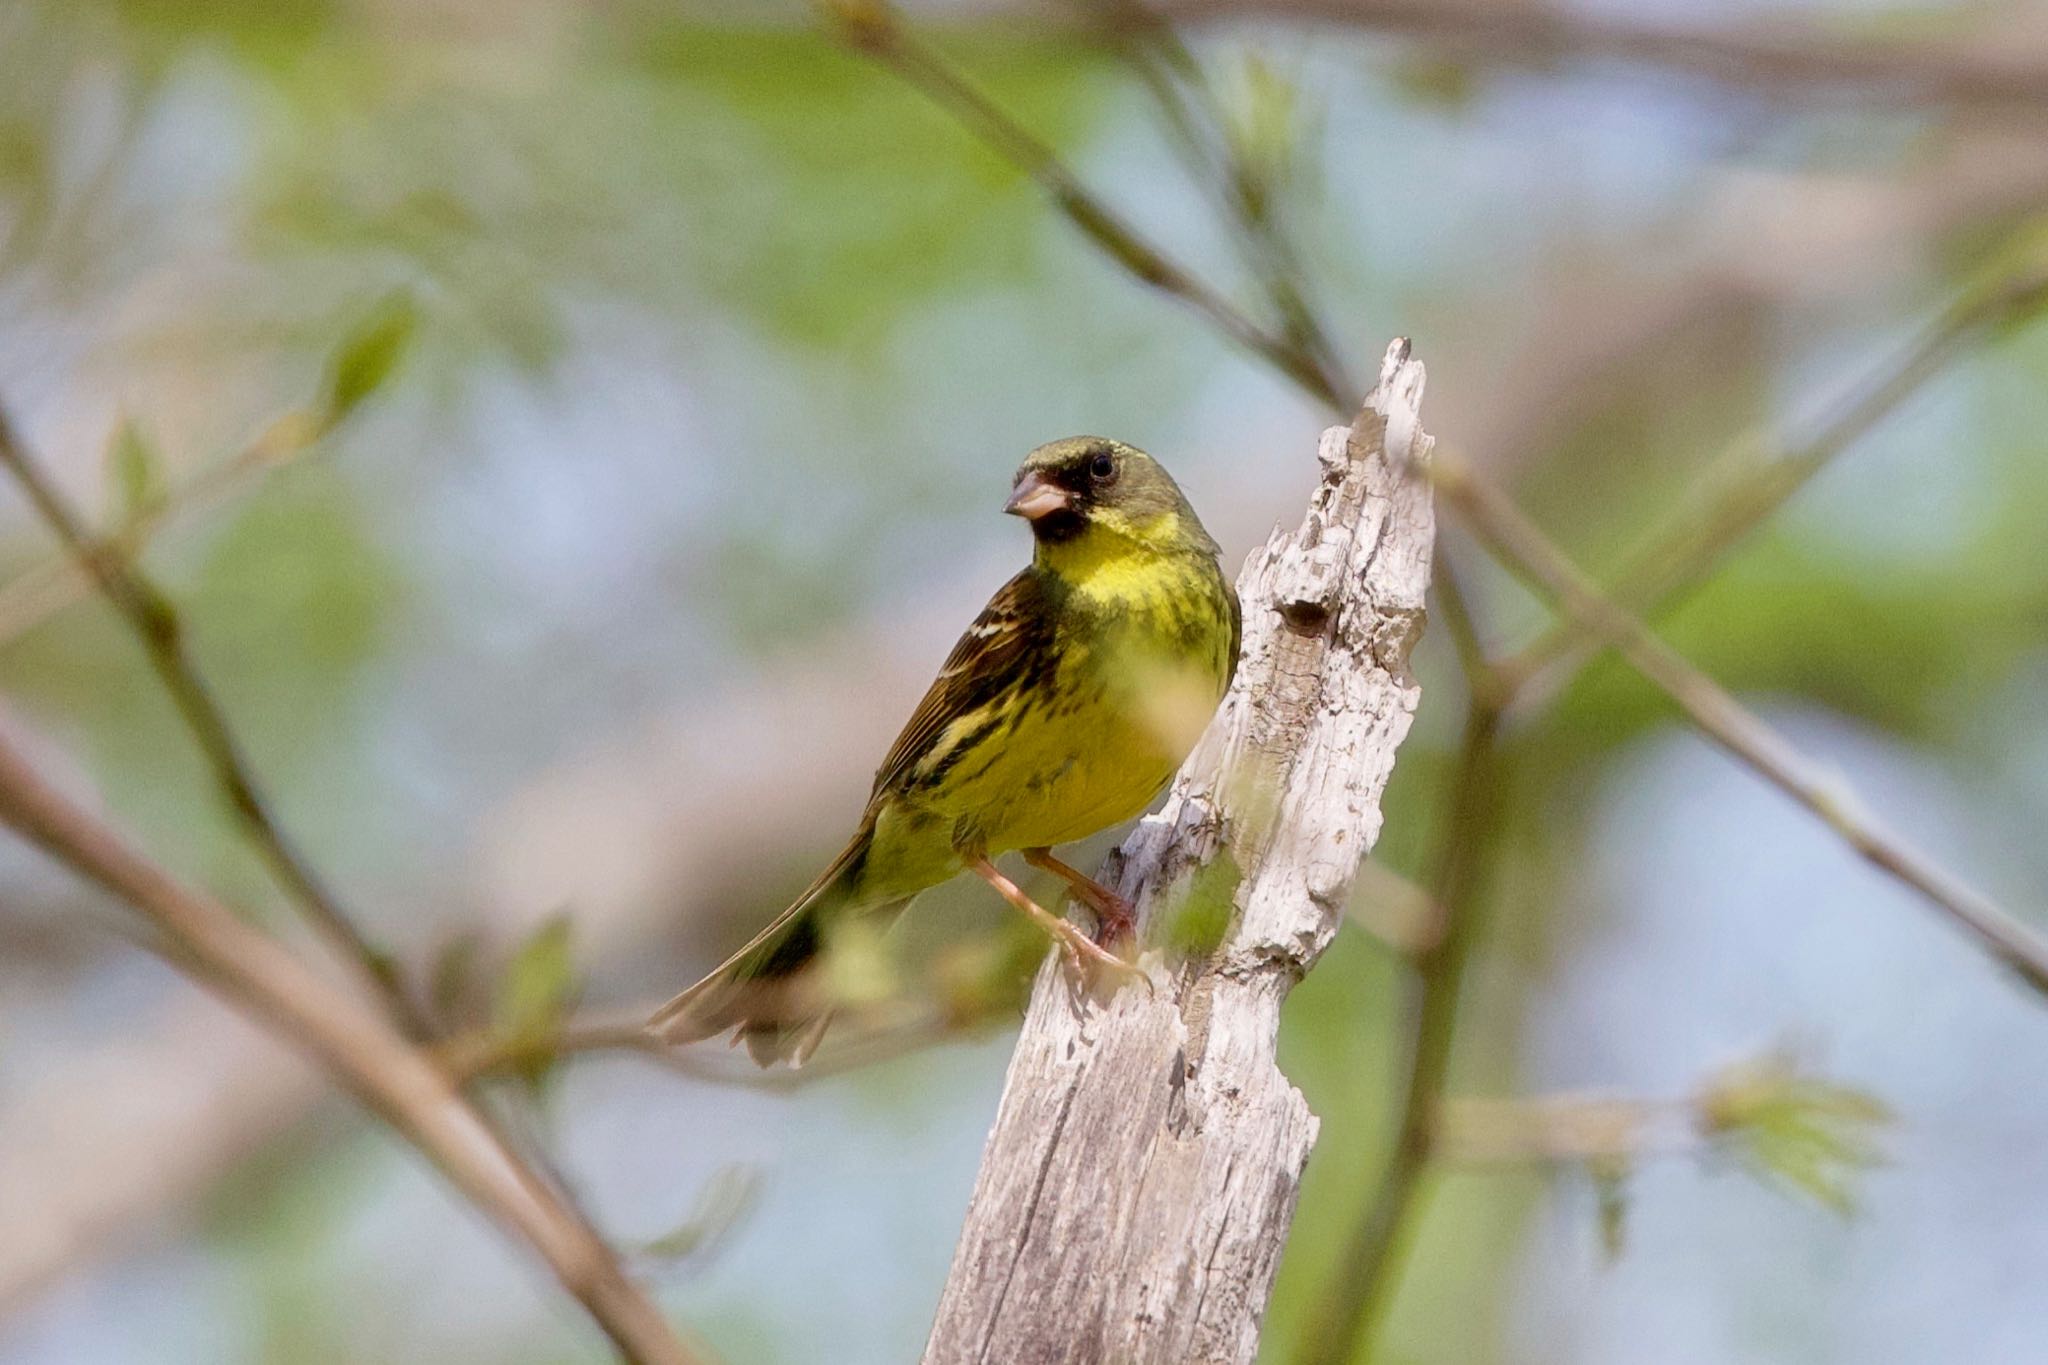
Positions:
(872, 28)
(42, 590)
(1779, 58)
(1782, 1122)
(665, 824)
(1695, 538)
(1406, 917)
(1361, 1284)
(1563, 1130)
(1810, 1136)
(1241, 170)
(867, 1042)
(155, 621)
(1517, 543)
(353, 1045)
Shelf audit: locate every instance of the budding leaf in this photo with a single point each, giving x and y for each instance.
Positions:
(367, 358)
(134, 475)
(1808, 1134)
(535, 993)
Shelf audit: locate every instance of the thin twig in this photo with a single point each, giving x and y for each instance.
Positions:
(1782, 59)
(1517, 543)
(155, 621)
(357, 1048)
(1402, 914)
(875, 32)
(42, 590)
(1808, 1135)
(1196, 117)
(1696, 537)
(1362, 1283)
(475, 1057)
(1552, 1130)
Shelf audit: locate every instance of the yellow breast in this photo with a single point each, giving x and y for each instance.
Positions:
(1143, 659)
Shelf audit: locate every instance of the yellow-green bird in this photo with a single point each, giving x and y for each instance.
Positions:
(1063, 710)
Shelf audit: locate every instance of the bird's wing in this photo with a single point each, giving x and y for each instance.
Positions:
(1008, 642)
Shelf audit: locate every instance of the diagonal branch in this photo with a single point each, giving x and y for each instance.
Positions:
(1781, 58)
(353, 1045)
(154, 619)
(874, 31)
(1360, 1286)
(41, 590)
(1199, 123)
(1696, 537)
(1517, 543)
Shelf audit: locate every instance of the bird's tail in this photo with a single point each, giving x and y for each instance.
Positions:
(767, 990)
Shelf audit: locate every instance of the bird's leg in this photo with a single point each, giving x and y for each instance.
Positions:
(1074, 944)
(1116, 919)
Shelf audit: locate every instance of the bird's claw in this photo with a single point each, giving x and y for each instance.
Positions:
(1116, 920)
(1079, 951)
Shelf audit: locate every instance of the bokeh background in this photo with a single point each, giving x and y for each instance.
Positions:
(721, 345)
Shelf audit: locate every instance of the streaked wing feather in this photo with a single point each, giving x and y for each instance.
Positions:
(998, 649)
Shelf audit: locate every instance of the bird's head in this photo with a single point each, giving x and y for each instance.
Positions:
(1091, 489)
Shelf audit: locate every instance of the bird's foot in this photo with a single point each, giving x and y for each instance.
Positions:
(1116, 919)
(1077, 949)
(1085, 956)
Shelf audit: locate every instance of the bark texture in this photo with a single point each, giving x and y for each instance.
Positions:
(1140, 1180)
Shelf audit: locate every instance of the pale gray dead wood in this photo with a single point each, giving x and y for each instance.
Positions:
(1138, 1186)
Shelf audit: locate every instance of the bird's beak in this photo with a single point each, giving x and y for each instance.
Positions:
(1034, 496)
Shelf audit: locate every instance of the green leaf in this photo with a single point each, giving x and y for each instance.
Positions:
(134, 476)
(535, 994)
(367, 357)
(835, 212)
(1807, 1134)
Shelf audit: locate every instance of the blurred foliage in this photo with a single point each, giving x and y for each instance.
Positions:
(829, 216)
(135, 474)
(535, 993)
(723, 1203)
(1811, 1135)
(256, 31)
(288, 605)
(366, 359)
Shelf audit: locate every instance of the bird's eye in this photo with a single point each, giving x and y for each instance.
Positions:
(1103, 467)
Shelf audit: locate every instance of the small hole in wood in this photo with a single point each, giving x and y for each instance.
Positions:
(1305, 616)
